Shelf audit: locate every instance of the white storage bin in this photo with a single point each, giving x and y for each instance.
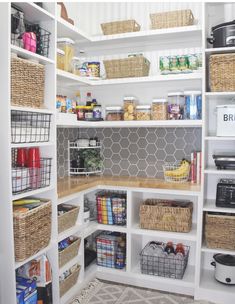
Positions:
(225, 120)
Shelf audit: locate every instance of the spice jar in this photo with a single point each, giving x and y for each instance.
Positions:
(143, 112)
(175, 105)
(67, 45)
(114, 113)
(60, 59)
(88, 114)
(129, 108)
(159, 109)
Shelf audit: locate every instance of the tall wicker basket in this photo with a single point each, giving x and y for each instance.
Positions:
(27, 83)
(128, 67)
(172, 19)
(69, 282)
(69, 253)
(119, 27)
(222, 72)
(68, 219)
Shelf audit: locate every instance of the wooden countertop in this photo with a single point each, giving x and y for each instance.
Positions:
(71, 185)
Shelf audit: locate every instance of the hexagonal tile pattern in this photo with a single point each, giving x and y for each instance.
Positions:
(133, 151)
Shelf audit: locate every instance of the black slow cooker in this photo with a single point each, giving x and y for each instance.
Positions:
(223, 35)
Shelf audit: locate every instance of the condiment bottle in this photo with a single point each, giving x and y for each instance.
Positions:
(180, 249)
(169, 248)
(88, 99)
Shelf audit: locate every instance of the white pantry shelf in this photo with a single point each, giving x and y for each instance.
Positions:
(75, 229)
(28, 145)
(219, 138)
(32, 192)
(35, 110)
(220, 94)
(209, 205)
(34, 13)
(211, 250)
(221, 50)
(215, 171)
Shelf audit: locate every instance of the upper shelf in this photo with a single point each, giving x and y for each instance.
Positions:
(34, 13)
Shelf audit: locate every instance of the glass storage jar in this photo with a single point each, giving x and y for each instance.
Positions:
(175, 105)
(159, 109)
(114, 113)
(60, 59)
(143, 112)
(129, 108)
(67, 45)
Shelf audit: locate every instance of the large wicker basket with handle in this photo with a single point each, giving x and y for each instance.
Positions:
(172, 19)
(166, 215)
(69, 253)
(119, 27)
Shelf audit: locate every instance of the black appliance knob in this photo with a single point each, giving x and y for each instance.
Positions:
(228, 280)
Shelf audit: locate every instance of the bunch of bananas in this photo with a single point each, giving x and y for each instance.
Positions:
(181, 172)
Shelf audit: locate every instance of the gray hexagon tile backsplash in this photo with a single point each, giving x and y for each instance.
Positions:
(133, 151)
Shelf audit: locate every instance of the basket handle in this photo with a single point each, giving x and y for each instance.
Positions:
(137, 26)
(149, 244)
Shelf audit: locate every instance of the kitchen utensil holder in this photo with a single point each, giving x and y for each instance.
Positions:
(30, 127)
(119, 27)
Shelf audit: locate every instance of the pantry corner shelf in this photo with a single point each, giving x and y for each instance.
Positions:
(215, 171)
(209, 205)
(32, 192)
(211, 250)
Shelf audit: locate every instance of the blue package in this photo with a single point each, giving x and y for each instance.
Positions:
(19, 296)
(199, 106)
(31, 298)
(187, 107)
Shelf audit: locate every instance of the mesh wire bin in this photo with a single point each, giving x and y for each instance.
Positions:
(30, 127)
(154, 261)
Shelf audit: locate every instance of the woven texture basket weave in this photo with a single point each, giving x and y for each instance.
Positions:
(220, 231)
(32, 231)
(69, 253)
(164, 215)
(128, 67)
(68, 219)
(119, 27)
(222, 72)
(27, 83)
(171, 19)
(69, 282)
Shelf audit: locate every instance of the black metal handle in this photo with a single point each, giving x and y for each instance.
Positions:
(210, 40)
(223, 24)
(213, 264)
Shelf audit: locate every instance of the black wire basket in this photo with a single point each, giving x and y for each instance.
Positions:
(30, 127)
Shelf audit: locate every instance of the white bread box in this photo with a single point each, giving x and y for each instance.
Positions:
(225, 120)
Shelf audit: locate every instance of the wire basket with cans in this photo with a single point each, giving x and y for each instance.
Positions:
(30, 127)
(165, 260)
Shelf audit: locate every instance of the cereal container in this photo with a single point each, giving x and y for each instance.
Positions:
(114, 113)
(67, 45)
(175, 105)
(129, 108)
(143, 112)
(60, 59)
(159, 109)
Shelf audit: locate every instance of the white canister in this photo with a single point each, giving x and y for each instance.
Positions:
(225, 120)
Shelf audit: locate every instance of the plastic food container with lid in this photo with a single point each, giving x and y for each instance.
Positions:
(60, 59)
(143, 112)
(193, 105)
(159, 109)
(67, 45)
(130, 108)
(175, 105)
(76, 66)
(114, 113)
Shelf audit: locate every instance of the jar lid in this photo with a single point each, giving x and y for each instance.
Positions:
(117, 108)
(76, 58)
(143, 107)
(226, 106)
(129, 98)
(65, 40)
(225, 259)
(59, 51)
(159, 100)
(192, 92)
(174, 94)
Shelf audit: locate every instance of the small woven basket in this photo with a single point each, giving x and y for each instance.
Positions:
(220, 231)
(171, 19)
(222, 72)
(119, 27)
(68, 219)
(69, 253)
(128, 67)
(69, 282)
(27, 83)
(32, 231)
(164, 215)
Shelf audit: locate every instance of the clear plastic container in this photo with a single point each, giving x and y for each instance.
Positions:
(114, 113)
(67, 45)
(175, 105)
(193, 105)
(76, 66)
(143, 112)
(159, 109)
(60, 59)
(129, 108)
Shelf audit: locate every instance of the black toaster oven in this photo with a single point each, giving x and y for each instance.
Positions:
(225, 194)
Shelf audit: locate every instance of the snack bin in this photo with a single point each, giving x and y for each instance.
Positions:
(67, 45)
(225, 125)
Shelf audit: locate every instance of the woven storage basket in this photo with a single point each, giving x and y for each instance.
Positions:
(68, 219)
(222, 72)
(69, 282)
(128, 67)
(69, 253)
(118, 27)
(27, 83)
(32, 231)
(171, 19)
(157, 214)
(220, 231)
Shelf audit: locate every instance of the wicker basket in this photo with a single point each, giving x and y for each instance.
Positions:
(165, 215)
(69, 253)
(68, 219)
(222, 72)
(32, 231)
(171, 19)
(69, 282)
(128, 67)
(119, 27)
(27, 83)
(220, 231)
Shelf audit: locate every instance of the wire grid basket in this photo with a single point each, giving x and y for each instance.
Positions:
(21, 35)
(111, 208)
(30, 127)
(154, 261)
(111, 250)
(119, 27)
(171, 19)
(176, 173)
